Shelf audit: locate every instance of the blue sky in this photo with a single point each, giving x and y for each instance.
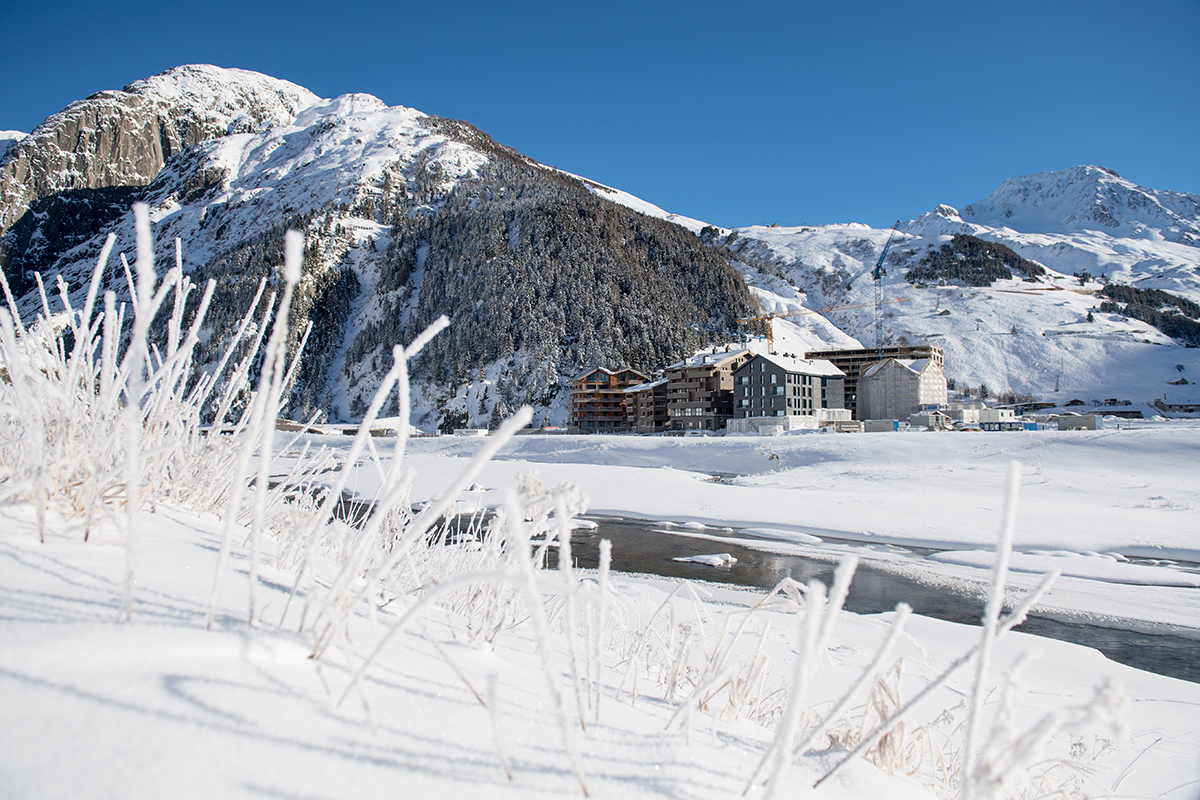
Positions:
(736, 113)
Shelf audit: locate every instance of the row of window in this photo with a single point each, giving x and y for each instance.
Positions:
(624, 377)
(792, 402)
(806, 380)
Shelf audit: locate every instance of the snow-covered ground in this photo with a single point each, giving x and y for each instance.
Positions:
(95, 706)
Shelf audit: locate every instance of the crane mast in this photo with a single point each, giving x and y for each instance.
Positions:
(877, 275)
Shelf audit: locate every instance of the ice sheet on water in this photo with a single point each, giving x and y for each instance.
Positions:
(1093, 566)
(714, 560)
(778, 533)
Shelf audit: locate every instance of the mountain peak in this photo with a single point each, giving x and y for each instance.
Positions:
(1088, 198)
(227, 92)
(123, 137)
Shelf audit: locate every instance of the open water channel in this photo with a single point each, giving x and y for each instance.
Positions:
(641, 546)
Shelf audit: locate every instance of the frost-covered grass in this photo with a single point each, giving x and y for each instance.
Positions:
(184, 614)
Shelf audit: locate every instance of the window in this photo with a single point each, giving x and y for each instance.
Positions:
(780, 413)
(744, 403)
(746, 391)
(773, 377)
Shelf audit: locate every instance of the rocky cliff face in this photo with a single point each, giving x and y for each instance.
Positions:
(123, 138)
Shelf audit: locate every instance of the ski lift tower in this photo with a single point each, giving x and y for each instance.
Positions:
(877, 275)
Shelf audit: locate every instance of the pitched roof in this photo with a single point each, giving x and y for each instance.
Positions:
(915, 366)
(607, 371)
(805, 366)
(716, 359)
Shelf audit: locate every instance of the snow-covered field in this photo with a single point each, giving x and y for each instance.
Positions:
(160, 705)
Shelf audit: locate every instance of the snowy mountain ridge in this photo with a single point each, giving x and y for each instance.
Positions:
(1080, 198)
(1042, 335)
(121, 138)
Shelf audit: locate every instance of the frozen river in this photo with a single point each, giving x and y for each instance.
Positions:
(887, 575)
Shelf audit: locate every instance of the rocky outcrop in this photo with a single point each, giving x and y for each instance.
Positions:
(123, 138)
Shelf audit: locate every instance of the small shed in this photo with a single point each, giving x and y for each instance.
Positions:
(1080, 422)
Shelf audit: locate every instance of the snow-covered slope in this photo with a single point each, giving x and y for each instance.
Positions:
(1021, 334)
(1087, 219)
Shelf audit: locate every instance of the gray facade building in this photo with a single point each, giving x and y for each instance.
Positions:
(779, 386)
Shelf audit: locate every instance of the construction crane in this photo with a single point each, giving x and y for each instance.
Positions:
(877, 275)
(785, 314)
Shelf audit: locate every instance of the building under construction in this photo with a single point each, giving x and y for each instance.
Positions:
(853, 362)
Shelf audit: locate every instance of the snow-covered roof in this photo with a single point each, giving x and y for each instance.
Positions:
(700, 359)
(641, 387)
(807, 366)
(606, 371)
(914, 365)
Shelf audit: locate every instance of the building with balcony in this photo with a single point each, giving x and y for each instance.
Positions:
(646, 407)
(598, 399)
(700, 391)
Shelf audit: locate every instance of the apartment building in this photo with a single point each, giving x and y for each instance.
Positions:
(786, 387)
(853, 361)
(646, 407)
(598, 399)
(700, 390)
(896, 388)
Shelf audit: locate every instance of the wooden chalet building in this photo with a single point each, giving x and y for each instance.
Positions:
(598, 399)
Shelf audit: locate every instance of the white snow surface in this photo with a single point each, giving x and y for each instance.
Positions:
(226, 92)
(161, 706)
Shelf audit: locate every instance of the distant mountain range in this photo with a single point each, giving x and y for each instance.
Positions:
(1029, 333)
(544, 274)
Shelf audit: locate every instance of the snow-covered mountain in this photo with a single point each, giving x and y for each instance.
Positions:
(406, 217)
(1026, 333)
(1087, 219)
(123, 138)
(543, 273)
